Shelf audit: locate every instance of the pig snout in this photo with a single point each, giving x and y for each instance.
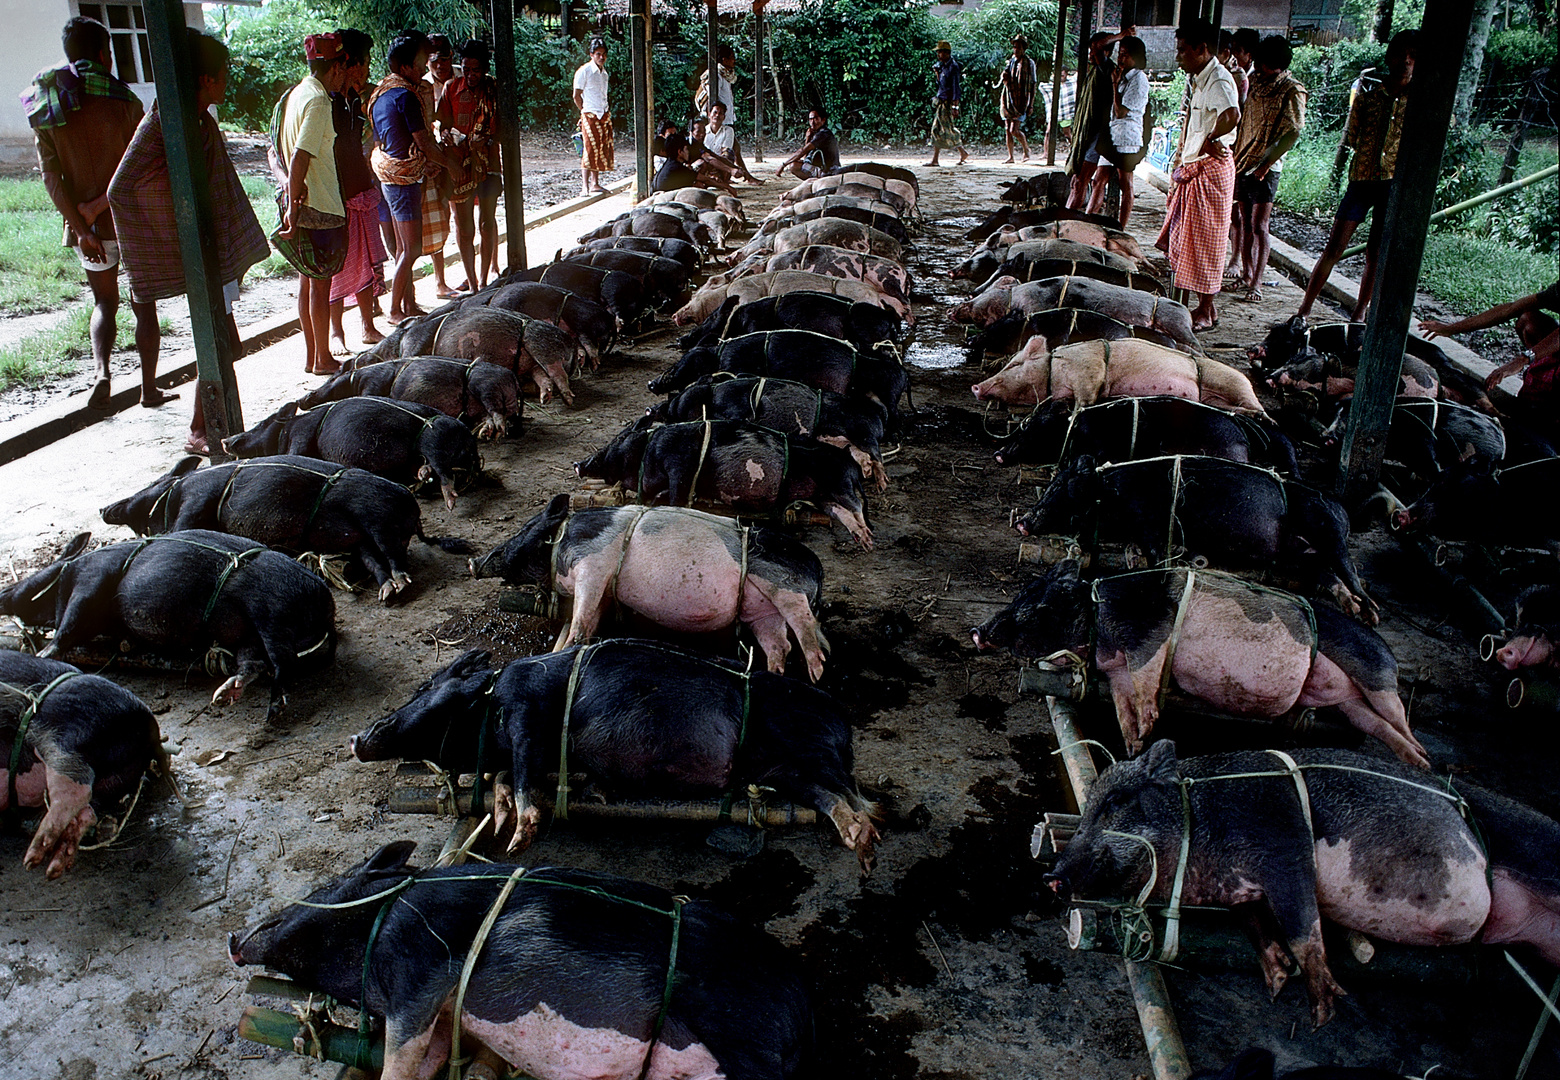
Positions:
(978, 638)
(1402, 518)
(1057, 883)
(1524, 651)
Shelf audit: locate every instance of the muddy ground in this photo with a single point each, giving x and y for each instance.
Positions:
(948, 962)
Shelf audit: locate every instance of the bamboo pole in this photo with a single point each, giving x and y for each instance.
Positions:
(758, 80)
(284, 1031)
(1059, 53)
(1477, 200)
(416, 799)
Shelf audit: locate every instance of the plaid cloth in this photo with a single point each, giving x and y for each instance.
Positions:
(1275, 107)
(1018, 81)
(599, 148)
(1068, 102)
(1092, 115)
(142, 201)
(944, 135)
(1196, 234)
(365, 251)
(435, 214)
(474, 107)
(392, 170)
(57, 92)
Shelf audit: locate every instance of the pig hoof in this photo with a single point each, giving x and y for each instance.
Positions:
(386, 591)
(229, 692)
(48, 651)
(527, 823)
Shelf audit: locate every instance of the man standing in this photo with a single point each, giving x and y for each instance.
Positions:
(1096, 95)
(725, 81)
(1197, 210)
(945, 104)
(1375, 126)
(1269, 127)
(1018, 82)
(470, 105)
(590, 98)
(82, 119)
(360, 276)
(307, 145)
(403, 148)
(1120, 147)
(721, 139)
(820, 153)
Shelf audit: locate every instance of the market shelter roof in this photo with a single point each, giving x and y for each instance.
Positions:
(666, 9)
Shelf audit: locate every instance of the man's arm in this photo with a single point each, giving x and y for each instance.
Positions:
(430, 148)
(297, 189)
(1494, 316)
(579, 99)
(1282, 146)
(1222, 126)
(807, 148)
(59, 191)
(1542, 351)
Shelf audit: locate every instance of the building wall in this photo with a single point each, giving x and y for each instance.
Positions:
(33, 43)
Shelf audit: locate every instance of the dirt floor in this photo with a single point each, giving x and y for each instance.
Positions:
(949, 962)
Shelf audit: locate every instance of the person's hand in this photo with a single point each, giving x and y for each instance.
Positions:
(91, 246)
(1216, 150)
(1432, 328)
(1260, 171)
(1129, 31)
(1504, 370)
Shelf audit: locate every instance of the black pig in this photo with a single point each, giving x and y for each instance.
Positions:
(1470, 501)
(1430, 436)
(668, 247)
(570, 980)
(1376, 846)
(398, 440)
(863, 325)
(646, 719)
(181, 592)
(472, 390)
(88, 743)
(591, 324)
(295, 504)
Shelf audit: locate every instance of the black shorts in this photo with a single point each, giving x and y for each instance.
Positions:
(1363, 196)
(1248, 189)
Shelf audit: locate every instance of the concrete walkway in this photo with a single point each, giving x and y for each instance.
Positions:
(73, 464)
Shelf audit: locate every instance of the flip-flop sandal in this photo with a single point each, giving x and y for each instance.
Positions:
(98, 399)
(157, 398)
(1253, 296)
(326, 371)
(200, 449)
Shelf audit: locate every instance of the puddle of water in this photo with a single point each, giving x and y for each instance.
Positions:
(964, 222)
(935, 357)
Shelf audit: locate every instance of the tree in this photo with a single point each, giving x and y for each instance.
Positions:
(1473, 61)
(1382, 29)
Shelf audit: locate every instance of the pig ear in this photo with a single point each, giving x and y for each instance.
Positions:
(286, 412)
(558, 509)
(1160, 762)
(392, 856)
(473, 662)
(77, 545)
(186, 465)
(1067, 572)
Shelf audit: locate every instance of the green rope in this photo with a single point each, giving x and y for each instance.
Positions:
(561, 802)
(471, 963)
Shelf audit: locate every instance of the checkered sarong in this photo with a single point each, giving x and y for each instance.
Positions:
(435, 215)
(944, 135)
(1196, 233)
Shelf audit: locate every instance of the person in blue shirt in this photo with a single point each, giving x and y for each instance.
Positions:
(945, 103)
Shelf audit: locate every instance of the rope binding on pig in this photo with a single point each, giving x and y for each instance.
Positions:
(24, 721)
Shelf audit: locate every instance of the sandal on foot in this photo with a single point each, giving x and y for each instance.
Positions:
(98, 399)
(156, 398)
(197, 447)
(1253, 295)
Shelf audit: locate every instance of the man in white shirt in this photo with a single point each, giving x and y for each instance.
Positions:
(1119, 149)
(590, 98)
(1197, 212)
(721, 139)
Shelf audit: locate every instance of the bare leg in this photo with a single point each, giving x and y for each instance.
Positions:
(102, 329)
(487, 224)
(338, 335)
(1368, 279)
(1342, 233)
(1260, 242)
(148, 340)
(1204, 315)
(365, 303)
(403, 302)
(1101, 181)
(306, 322)
(465, 239)
(1010, 126)
(1127, 196)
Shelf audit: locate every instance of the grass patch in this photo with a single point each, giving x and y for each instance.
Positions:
(36, 272)
(1503, 274)
(62, 349)
(262, 196)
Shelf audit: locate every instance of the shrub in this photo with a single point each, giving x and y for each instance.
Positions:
(1305, 186)
(980, 43)
(1529, 220)
(267, 50)
(1502, 275)
(1328, 72)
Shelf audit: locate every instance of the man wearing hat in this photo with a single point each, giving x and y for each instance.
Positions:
(307, 145)
(590, 98)
(945, 103)
(1018, 82)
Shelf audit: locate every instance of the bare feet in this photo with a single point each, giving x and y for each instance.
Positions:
(1009, 161)
(98, 399)
(338, 345)
(372, 336)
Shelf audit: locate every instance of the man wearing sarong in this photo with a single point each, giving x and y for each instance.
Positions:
(82, 119)
(141, 196)
(945, 105)
(590, 98)
(470, 101)
(360, 276)
(437, 187)
(404, 148)
(1196, 232)
(1018, 83)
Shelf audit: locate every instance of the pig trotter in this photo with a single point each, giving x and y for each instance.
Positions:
(857, 832)
(1319, 981)
(527, 824)
(394, 586)
(59, 834)
(503, 804)
(449, 496)
(229, 692)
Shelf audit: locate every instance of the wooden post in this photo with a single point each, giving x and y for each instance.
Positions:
(1058, 54)
(639, 52)
(1216, 16)
(1437, 62)
(711, 47)
(503, 16)
(758, 79)
(190, 185)
(1085, 28)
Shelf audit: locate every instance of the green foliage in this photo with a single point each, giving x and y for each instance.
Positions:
(1529, 220)
(980, 43)
(1328, 73)
(1513, 55)
(36, 272)
(267, 58)
(64, 348)
(1305, 186)
(1503, 273)
(262, 197)
(1164, 98)
(1467, 169)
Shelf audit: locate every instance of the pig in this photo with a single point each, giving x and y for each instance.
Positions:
(885, 275)
(1092, 370)
(758, 286)
(1061, 326)
(1131, 428)
(588, 322)
(619, 293)
(697, 197)
(179, 593)
(1373, 846)
(681, 569)
(398, 440)
(898, 194)
(646, 719)
(1258, 1064)
(1538, 628)
(721, 226)
(1471, 501)
(879, 215)
(879, 169)
(1233, 515)
(835, 232)
(1047, 188)
(668, 247)
(87, 746)
(853, 424)
(863, 325)
(1332, 376)
(995, 300)
(569, 982)
(471, 390)
(1431, 436)
(1291, 337)
(824, 362)
(1242, 648)
(294, 504)
(1010, 299)
(665, 281)
(1107, 238)
(658, 221)
(1006, 215)
(749, 468)
(985, 265)
(524, 345)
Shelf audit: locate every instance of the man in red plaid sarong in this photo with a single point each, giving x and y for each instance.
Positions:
(590, 98)
(1197, 212)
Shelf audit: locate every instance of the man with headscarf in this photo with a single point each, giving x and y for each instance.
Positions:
(590, 98)
(1196, 232)
(82, 119)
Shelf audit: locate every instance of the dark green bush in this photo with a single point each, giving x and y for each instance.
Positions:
(267, 50)
(1328, 72)
(1529, 220)
(980, 43)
